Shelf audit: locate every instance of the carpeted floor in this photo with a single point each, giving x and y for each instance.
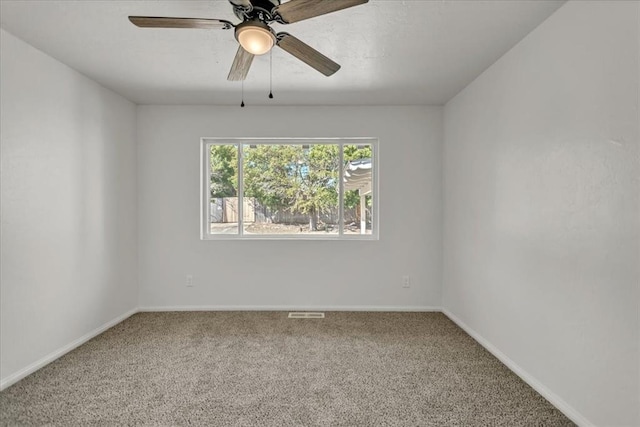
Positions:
(262, 369)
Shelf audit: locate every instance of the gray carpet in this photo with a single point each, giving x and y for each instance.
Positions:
(262, 369)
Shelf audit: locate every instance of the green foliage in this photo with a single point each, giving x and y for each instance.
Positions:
(292, 177)
(356, 152)
(319, 189)
(224, 171)
(272, 174)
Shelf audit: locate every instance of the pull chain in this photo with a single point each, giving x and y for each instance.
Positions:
(271, 74)
(242, 104)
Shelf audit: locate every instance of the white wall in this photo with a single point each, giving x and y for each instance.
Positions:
(69, 237)
(541, 209)
(296, 274)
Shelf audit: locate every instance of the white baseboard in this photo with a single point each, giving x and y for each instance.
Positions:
(291, 308)
(14, 378)
(555, 400)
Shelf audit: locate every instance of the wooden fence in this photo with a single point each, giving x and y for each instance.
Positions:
(225, 210)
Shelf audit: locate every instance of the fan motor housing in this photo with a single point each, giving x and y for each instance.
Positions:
(261, 10)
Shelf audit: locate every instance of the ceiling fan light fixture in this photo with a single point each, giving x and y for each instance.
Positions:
(255, 37)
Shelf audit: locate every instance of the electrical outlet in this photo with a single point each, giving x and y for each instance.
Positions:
(189, 282)
(406, 282)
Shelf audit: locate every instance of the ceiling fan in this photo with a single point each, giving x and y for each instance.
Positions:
(254, 34)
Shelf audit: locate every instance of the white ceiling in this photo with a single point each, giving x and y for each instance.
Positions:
(392, 52)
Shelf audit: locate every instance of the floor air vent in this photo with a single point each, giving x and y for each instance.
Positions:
(306, 315)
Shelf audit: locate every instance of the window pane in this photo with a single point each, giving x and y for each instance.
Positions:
(358, 189)
(223, 188)
(291, 189)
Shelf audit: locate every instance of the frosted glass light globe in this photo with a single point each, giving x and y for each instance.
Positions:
(255, 39)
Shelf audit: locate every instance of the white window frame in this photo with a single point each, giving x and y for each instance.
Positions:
(205, 195)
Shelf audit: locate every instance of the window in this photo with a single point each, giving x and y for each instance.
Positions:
(289, 188)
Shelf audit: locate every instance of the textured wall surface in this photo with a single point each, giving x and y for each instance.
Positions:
(68, 244)
(269, 273)
(541, 208)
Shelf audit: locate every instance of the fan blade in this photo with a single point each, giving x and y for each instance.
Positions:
(297, 10)
(307, 54)
(241, 64)
(199, 23)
